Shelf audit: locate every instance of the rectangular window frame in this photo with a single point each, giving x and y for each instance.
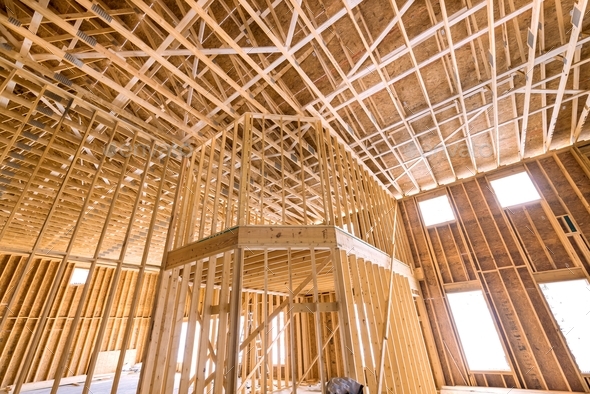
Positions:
(76, 269)
(433, 195)
(472, 287)
(506, 173)
(552, 279)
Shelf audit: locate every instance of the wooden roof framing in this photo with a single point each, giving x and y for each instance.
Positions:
(66, 169)
(423, 91)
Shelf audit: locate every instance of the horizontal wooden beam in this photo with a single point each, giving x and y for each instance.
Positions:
(457, 287)
(203, 248)
(559, 275)
(310, 307)
(169, 52)
(283, 237)
(287, 236)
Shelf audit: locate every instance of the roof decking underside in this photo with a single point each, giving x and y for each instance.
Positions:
(420, 89)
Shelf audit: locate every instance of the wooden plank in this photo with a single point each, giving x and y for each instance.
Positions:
(311, 307)
(471, 285)
(234, 316)
(206, 247)
(202, 357)
(572, 273)
(286, 236)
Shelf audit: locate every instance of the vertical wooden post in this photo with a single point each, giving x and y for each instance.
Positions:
(199, 201)
(318, 323)
(159, 373)
(172, 330)
(139, 282)
(302, 171)
(245, 176)
(115, 279)
(323, 171)
(207, 187)
(262, 165)
(330, 172)
(223, 316)
(150, 345)
(387, 307)
(282, 142)
(191, 331)
(215, 212)
(345, 314)
(229, 221)
(205, 326)
(235, 307)
(267, 324)
(184, 229)
(292, 325)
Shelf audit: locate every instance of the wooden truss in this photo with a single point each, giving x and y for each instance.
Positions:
(424, 92)
(80, 187)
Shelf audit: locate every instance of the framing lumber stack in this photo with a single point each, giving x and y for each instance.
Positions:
(290, 244)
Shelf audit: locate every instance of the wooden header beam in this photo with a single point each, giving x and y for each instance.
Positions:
(283, 237)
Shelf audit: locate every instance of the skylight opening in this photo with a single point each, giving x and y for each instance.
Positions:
(79, 276)
(569, 302)
(478, 335)
(515, 189)
(436, 210)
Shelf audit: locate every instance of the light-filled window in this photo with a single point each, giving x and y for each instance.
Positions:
(357, 318)
(436, 210)
(79, 276)
(182, 344)
(515, 189)
(478, 335)
(243, 334)
(278, 347)
(570, 303)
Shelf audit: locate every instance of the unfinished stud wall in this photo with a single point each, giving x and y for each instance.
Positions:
(29, 304)
(77, 185)
(506, 253)
(233, 303)
(298, 230)
(333, 306)
(399, 364)
(297, 174)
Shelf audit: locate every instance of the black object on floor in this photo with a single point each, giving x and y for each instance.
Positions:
(344, 386)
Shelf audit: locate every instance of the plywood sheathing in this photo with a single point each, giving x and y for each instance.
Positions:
(508, 253)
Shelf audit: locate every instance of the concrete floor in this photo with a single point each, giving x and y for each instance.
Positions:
(302, 390)
(129, 382)
(127, 385)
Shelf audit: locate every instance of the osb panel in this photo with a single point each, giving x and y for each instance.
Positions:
(502, 249)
